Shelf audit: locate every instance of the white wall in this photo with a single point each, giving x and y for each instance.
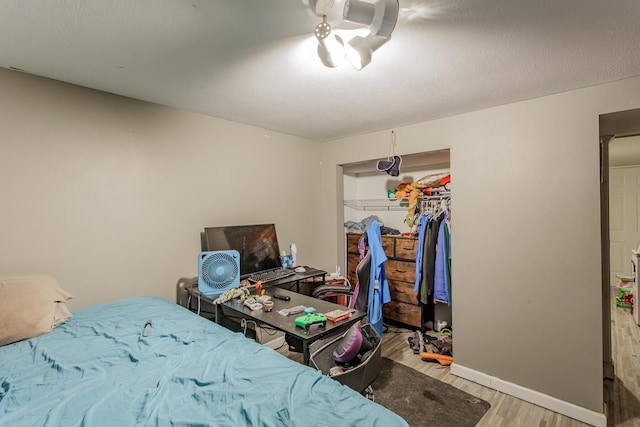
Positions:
(109, 194)
(526, 239)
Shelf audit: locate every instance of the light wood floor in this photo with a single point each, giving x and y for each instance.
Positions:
(621, 394)
(623, 406)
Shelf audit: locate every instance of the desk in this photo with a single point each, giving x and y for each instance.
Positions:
(286, 323)
(297, 278)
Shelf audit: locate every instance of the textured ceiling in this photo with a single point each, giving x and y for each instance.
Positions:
(255, 62)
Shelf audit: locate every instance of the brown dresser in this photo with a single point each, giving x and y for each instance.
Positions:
(401, 275)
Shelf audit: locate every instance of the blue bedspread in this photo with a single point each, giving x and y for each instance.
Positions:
(98, 370)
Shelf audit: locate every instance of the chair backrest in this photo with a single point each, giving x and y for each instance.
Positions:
(363, 275)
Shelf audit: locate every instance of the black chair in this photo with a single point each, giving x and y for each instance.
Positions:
(360, 291)
(361, 375)
(326, 291)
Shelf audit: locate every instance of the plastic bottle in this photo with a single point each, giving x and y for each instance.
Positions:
(294, 254)
(284, 259)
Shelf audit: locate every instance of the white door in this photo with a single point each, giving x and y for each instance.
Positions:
(624, 221)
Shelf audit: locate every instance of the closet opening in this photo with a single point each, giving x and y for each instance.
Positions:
(415, 214)
(620, 231)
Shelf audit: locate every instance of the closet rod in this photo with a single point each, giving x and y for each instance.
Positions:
(436, 197)
(425, 201)
(390, 204)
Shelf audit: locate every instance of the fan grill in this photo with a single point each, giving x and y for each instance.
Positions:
(219, 271)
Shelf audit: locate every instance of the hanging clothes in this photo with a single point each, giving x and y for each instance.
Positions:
(378, 286)
(422, 231)
(433, 258)
(429, 261)
(433, 254)
(442, 269)
(448, 264)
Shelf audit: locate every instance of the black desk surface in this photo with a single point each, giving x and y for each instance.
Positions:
(287, 323)
(297, 277)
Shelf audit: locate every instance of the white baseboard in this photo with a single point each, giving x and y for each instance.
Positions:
(556, 405)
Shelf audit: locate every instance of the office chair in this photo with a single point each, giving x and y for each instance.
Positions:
(357, 296)
(323, 352)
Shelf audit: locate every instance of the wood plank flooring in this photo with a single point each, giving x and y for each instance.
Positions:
(621, 394)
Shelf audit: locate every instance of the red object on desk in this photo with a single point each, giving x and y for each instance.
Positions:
(338, 315)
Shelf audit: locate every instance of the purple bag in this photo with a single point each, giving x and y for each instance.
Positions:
(349, 345)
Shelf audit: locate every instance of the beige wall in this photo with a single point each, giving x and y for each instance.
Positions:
(110, 194)
(526, 234)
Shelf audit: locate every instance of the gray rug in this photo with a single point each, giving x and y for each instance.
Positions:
(425, 401)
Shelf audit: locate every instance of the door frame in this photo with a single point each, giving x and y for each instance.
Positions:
(608, 369)
(611, 125)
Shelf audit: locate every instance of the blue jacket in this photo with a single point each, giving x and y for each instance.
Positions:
(424, 220)
(441, 281)
(378, 286)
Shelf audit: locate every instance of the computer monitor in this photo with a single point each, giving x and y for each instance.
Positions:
(257, 244)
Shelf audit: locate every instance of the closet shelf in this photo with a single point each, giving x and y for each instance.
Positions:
(391, 204)
(378, 204)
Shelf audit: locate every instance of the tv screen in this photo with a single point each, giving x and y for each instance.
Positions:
(257, 244)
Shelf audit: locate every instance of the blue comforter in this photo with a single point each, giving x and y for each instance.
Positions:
(98, 370)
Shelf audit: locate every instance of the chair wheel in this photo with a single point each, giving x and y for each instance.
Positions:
(368, 393)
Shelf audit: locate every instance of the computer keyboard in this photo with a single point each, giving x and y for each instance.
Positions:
(270, 275)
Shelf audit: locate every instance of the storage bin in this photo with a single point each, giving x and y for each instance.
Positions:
(358, 377)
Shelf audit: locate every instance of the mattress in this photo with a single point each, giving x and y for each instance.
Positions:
(99, 370)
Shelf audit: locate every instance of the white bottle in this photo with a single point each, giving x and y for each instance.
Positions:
(294, 254)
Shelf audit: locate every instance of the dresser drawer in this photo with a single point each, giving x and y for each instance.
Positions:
(388, 245)
(402, 312)
(403, 292)
(352, 264)
(403, 271)
(352, 243)
(406, 248)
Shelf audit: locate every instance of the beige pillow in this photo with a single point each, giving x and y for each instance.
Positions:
(31, 305)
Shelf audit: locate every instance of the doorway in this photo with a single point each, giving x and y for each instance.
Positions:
(620, 227)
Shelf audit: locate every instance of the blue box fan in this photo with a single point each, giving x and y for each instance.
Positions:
(218, 272)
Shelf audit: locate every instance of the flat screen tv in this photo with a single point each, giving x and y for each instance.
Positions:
(257, 244)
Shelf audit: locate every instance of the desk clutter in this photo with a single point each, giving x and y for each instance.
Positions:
(338, 315)
(292, 310)
(231, 265)
(231, 254)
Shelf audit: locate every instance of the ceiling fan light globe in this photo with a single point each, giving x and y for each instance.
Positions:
(331, 50)
(360, 49)
(358, 53)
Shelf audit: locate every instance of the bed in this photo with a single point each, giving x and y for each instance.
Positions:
(98, 369)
